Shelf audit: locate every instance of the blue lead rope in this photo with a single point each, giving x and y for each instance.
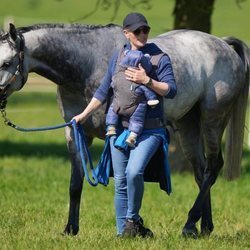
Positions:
(80, 141)
(38, 129)
(81, 145)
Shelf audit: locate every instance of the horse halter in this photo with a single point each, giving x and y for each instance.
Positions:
(19, 70)
(19, 67)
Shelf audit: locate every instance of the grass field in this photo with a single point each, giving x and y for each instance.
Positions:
(34, 182)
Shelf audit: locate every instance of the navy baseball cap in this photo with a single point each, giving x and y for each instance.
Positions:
(134, 20)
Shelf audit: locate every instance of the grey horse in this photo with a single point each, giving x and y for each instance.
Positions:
(212, 76)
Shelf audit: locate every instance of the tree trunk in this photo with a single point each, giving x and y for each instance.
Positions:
(193, 14)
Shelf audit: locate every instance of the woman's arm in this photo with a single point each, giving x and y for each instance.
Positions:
(161, 88)
(88, 111)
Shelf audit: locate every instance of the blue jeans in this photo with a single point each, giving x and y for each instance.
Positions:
(128, 175)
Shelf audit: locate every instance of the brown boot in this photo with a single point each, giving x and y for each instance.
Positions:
(136, 228)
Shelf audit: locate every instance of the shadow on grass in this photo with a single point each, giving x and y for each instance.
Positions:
(246, 157)
(41, 150)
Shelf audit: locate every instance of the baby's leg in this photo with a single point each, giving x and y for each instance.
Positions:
(111, 121)
(131, 140)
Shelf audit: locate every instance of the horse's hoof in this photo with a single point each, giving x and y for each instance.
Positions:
(71, 230)
(207, 229)
(190, 232)
(205, 232)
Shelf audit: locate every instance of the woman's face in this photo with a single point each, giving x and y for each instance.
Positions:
(137, 38)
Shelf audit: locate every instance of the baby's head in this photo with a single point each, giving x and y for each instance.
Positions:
(133, 58)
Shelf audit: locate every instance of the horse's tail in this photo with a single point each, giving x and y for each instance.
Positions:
(236, 125)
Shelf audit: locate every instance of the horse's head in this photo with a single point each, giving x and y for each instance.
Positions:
(11, 62)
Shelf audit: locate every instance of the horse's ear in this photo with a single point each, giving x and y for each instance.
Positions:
(12, 31)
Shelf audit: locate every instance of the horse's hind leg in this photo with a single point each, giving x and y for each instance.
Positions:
(197, 211)
(213, 126)
(192, 145)
(206, 219)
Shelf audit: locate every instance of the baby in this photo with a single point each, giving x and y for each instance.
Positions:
(130, 99)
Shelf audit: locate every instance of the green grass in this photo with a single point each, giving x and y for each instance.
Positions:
(34, 182)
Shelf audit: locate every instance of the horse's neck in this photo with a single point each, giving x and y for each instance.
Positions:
(39, 54)
(66, 55)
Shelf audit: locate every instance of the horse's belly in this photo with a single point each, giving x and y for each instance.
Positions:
(188, 94)
(174, 109)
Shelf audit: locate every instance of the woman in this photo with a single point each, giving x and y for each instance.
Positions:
(129, 165)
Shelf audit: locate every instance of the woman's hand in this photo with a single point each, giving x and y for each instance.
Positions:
(79, 118)
(137, 75)
(89, 110)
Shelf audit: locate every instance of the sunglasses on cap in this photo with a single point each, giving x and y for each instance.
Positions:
(138, 31)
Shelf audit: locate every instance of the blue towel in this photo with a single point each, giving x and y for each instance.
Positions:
(120, 142)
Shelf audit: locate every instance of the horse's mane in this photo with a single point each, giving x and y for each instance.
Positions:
(74, 26)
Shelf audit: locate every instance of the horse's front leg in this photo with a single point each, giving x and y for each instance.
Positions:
(75, 189)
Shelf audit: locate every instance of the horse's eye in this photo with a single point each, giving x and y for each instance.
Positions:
(5, 65)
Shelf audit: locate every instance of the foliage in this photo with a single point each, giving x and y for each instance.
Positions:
(227, 19)
(115, 6)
